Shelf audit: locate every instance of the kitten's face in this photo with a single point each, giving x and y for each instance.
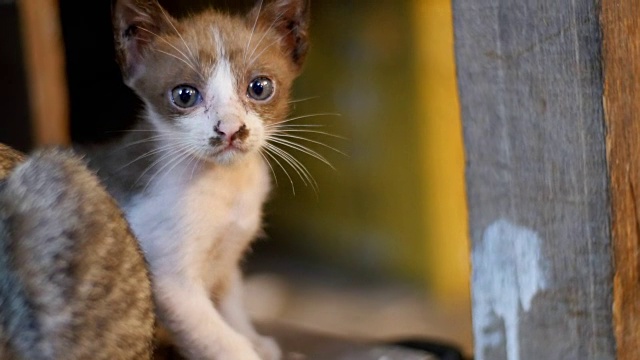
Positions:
(213, 84)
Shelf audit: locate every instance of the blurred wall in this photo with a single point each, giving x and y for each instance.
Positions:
(368, 214)
(395, 207)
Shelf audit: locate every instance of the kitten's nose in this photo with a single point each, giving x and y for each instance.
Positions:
(231, 131)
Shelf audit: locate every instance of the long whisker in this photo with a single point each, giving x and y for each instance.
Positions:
(287, 158)
(197, 163)
(280, 136)
(266, 160)
(181, 155)
(303, 99)
(193, 58)
(262, 38)
(181, 59)
(153, 139)
(288, 126)
(293, 188)
(303, 149)
(150, 153)
(299, 168)
(169, 153)
(284, 129)
(254, 58)
(304, 117)
(141, 130)
(253, 30)
(184, 56)
(187, 155)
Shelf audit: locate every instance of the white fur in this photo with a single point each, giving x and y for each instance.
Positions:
(219, 212)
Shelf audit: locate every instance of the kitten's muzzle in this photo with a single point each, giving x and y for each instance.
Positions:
(233, 137)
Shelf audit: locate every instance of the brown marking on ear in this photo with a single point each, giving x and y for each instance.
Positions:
(290, 20)
(136, 24)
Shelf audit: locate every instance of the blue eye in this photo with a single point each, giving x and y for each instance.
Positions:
(260, 88)
(185, 96)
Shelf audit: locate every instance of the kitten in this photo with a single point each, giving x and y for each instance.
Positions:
(192, 178)
(73, 284)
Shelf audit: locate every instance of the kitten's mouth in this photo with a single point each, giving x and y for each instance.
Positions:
(225, 153)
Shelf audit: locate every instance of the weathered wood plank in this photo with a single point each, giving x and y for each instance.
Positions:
(529, 75)
(621, 54)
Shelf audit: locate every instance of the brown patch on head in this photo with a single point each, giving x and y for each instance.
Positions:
(269, 42)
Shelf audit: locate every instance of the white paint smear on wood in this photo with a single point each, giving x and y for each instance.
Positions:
(507, 275)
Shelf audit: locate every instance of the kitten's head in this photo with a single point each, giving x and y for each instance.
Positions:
(212, 83)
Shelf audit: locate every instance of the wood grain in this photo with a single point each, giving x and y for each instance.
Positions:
(530, 80)
(44, 57)
(621, 54)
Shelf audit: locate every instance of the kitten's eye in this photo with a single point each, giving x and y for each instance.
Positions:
(185, 96)
(260, 88)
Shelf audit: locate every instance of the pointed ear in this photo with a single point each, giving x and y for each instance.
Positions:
(135, 24)
(290, 19)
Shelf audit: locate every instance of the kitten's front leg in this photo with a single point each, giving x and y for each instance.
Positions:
(196, 326)
(233, 310)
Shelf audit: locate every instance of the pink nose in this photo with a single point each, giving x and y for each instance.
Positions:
(230, 131)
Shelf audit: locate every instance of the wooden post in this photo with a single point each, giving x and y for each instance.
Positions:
(44, 58)
(621, 57)
(531, 86)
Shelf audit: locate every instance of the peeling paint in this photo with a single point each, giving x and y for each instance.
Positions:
(507, 275)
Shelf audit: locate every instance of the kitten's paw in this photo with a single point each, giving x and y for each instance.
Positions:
(267, 348)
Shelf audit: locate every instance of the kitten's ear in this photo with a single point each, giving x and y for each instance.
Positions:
(290, 19)
(135, 24)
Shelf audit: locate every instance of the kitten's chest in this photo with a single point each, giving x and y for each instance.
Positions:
(211, 220)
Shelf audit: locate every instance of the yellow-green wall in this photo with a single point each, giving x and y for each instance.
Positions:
(445, 203)
(395, 206)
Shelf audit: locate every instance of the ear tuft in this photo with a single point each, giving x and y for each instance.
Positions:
(290, 19)
(135, 24)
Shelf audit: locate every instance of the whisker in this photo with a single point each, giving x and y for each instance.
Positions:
(287, 126)
(297, 166)
(150, 153)
(255, 23)
(262, 38)
(268, 46)
(178, 33)
(293, 188)
(280, 136)
(141, 130)
(152, 139)
(181, 155)
(303, 99)
(266, 160)
(303, 149)
(187, 155)
(191, 150)
(197, 163)
(181, 59)
(304, 117)
(169, 153)
(184, 56)
(284, 129)
(287, 158)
